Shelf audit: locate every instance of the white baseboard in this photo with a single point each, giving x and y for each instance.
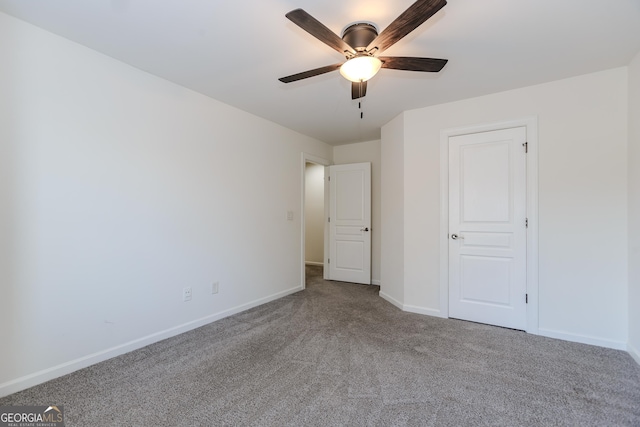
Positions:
(584, 339)
(411, 308)
(314, 263)
(48, 374)
(423, 310)
(391, 300)
(634, 352)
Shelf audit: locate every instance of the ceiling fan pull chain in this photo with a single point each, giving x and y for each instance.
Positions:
(360, 102)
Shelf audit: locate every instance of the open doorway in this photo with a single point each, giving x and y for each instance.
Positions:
(314, 212)
(314, 218)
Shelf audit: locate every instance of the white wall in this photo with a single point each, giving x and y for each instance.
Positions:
(392, 212)
(314, 213)
(359, 153)
(117, 190)
(582, 199)
(634, 207)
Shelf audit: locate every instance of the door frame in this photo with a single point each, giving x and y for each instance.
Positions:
(306, 157)
(531, 125)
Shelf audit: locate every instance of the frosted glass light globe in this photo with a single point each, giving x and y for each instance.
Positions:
(360, 68)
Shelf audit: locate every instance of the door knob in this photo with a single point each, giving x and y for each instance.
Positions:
(456, 237)
(364, 229)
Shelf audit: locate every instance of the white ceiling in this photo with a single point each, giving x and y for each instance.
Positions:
(235, 51)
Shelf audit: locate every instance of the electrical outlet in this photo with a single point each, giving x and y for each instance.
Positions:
(289, 215)
(214, 287)
(186, 294)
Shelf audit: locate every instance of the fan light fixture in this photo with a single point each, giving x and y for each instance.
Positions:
(361, 44)
(360, 68)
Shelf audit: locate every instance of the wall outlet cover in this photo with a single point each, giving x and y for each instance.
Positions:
(186, 294)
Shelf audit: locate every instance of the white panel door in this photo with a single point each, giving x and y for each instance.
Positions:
(350, 223)
(487, 227)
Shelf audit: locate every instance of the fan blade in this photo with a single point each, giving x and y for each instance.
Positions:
(410, 63)
(408, 21)
(314, 27)
(310, 73)
(358, 90)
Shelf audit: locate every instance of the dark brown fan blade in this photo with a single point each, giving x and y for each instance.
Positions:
(410, 63)
(408, 21)
(358, 90)
(314, 27)
(310, 73)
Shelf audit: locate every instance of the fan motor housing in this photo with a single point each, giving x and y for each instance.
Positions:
(359, 35)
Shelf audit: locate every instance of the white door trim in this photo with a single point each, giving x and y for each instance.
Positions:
(531, 124)
(306, 157)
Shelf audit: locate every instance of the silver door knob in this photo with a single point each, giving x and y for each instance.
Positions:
(456, 237)
(364, 229)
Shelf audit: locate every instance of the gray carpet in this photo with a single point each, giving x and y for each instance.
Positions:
(337, 354)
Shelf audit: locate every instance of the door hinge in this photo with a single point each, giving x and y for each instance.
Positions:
(526, 222)
(526, 298)
(328, 260)
(329, 178)
(329, 219)
(526, 147)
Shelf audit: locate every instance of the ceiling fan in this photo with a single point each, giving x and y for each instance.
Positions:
(360, 44)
